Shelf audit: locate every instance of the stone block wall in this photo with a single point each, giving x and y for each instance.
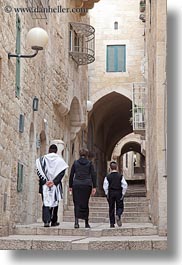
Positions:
(56, 80)
(130, 32)
(156, 129)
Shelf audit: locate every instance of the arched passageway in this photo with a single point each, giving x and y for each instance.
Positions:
(109, 121)
(132, 164)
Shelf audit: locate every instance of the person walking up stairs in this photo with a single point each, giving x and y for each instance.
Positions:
(115, 187)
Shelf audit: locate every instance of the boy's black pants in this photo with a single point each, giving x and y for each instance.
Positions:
(114, 199)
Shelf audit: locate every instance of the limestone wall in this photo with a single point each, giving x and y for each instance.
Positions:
(156, 130)
(130, 33)
(56, 80)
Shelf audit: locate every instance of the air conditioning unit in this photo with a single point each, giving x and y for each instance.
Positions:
(139, 117)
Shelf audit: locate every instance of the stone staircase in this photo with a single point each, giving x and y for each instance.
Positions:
(135, 210)
(136, 233)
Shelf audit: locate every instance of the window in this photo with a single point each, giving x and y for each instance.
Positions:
(20, 177)
(21, 123)
(116, 58)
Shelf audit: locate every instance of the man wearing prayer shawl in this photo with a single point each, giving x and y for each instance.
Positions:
(50, 169)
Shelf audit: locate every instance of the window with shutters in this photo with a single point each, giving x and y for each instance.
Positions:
(20, 177)
(116, 58)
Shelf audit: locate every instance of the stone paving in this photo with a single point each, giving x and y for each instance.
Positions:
(98, 237)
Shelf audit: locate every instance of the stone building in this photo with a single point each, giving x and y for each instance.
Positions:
(125, 80)
(57, 79)
(128, 118)
(117, 70)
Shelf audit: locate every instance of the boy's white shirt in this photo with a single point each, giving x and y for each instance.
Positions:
(124, 185)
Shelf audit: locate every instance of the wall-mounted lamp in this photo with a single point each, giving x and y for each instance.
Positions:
(35, 104)
(89, 105)
(37, 39)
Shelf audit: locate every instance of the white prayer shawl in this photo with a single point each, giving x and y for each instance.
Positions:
(48, 167)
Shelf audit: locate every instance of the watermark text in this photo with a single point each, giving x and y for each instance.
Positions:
(46, 10)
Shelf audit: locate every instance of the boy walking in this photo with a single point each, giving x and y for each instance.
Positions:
(115, 187)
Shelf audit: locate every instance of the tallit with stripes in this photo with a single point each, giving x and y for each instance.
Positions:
(48, 167)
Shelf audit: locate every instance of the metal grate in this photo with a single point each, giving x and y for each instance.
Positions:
(138, 107)
(82, 43)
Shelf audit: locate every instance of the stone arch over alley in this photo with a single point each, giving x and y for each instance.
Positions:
(132, 163)
(109, 121)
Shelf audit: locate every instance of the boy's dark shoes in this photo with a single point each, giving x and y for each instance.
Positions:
(118, 220)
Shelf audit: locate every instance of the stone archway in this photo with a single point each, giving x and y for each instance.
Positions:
(76, 118)
(109, 121)
(130, 155)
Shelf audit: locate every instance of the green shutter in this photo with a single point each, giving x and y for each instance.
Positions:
(116, 58)
(121, 58)
(20, 177)
(18, 51)
(21, 123)
(110, 58)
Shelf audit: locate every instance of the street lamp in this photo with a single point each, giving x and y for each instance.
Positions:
(37, 38)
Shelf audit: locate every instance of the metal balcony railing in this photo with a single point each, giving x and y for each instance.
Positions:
(82, 43)
(138, 107)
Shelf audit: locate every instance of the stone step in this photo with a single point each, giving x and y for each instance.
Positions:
(96, 230)
(127, 199)
(105, 203)
(137, 219)
(135, 193)
(106, 214)
(106, 209)
(44, 242)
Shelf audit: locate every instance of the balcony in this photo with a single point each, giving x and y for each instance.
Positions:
(82, 43)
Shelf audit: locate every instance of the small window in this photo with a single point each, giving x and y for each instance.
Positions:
(20, 177)
(116, 58)
(115, 25)
(21, 123)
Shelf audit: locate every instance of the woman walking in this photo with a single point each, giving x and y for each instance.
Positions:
(82, 184)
